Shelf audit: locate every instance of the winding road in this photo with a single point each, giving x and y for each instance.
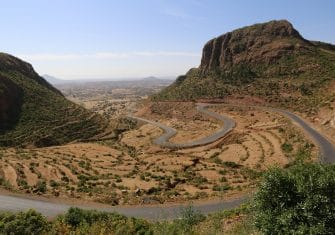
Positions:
(327, 149)
(50, 209)
(163, 140)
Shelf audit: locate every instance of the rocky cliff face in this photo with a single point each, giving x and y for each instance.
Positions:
(259, 43)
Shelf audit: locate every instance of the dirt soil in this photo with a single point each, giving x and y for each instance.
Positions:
(134, 171)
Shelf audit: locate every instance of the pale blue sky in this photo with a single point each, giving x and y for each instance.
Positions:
(136, 38)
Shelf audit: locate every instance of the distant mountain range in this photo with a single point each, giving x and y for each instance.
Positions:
(57, 81)
(54, 80)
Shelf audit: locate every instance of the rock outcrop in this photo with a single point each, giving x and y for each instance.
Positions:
(259, 43)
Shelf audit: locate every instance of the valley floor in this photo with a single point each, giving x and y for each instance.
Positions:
(134, 171)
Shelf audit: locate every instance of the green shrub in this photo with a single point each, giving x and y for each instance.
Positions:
(231, 164)
(177, 227)
(65, 179)
(82, 221)
(76, 216)
(190, 217)
(30, 222)
(286, 147)
(53, 184)
(299, 200)
(223, 172)
(221, 188)
(41, 186)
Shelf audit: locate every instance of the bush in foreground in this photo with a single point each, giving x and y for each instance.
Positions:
(23, 223)
(299, 200)
(79, 221)
(97, 222)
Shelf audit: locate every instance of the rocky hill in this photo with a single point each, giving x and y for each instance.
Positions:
(261, 43)
(271, 61)
(33, 112)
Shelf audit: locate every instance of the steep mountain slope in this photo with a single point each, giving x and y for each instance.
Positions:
(32, 112)
(271, 61)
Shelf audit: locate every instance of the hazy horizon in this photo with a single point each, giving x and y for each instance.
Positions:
(113, 39)
(110, 79)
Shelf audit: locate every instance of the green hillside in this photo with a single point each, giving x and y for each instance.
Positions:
(32, 112)
(271, 61)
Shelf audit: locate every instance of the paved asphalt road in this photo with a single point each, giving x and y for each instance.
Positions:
(12, 203)
(169, 132)
(327, 149)
(51, 209)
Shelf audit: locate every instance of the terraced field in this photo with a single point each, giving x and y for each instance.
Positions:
(133, 170)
